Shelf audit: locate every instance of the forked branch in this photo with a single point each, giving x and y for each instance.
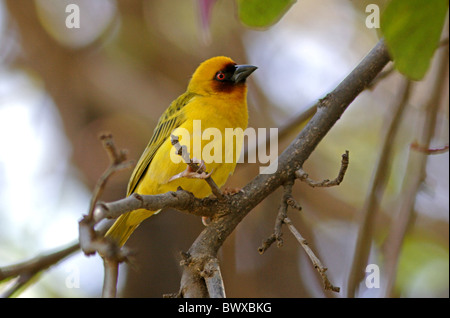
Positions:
(91, 241)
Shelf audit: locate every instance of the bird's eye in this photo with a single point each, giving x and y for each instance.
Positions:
(220, 76)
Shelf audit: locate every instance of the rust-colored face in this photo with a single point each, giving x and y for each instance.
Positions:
(220, 75)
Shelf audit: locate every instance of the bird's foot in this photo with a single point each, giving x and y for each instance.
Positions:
(231, 191)
(192, 173)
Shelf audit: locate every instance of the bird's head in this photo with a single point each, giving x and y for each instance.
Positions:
(219, 75)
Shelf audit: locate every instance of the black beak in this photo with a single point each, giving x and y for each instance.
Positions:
(241, 72)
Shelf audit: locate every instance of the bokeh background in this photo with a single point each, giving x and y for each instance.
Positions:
(60, 88)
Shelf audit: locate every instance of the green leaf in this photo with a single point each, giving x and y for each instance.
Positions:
(262, 13)
(412, 29)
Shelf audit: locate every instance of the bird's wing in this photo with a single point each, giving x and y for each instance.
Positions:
(172, 118)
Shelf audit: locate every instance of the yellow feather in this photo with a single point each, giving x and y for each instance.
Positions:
(216, 104)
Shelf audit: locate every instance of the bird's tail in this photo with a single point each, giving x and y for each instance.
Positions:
(125, 225)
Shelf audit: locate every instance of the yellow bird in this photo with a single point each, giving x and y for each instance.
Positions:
(216, 99)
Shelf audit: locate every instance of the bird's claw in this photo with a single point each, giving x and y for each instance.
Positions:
(189, 172)
(232, 191)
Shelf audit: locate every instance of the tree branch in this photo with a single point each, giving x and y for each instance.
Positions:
(288, 200)
(213, 278)
(281, 216)
(91, 241)
(329, 110)
(227, 213)
(182, 151)
(427, 150)
(118, 162)
(303, 176)
(316, 262)
(25, 271)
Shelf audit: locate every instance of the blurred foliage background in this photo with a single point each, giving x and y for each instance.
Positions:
(60, 87)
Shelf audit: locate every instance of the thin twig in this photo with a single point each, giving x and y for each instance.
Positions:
(288, 200)
(277, 234)
(429, 151)
(117, 163)
(25, 271)
(303, 176)
(316, 262)
(182, 151)
(293, 203)
(90, 240)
